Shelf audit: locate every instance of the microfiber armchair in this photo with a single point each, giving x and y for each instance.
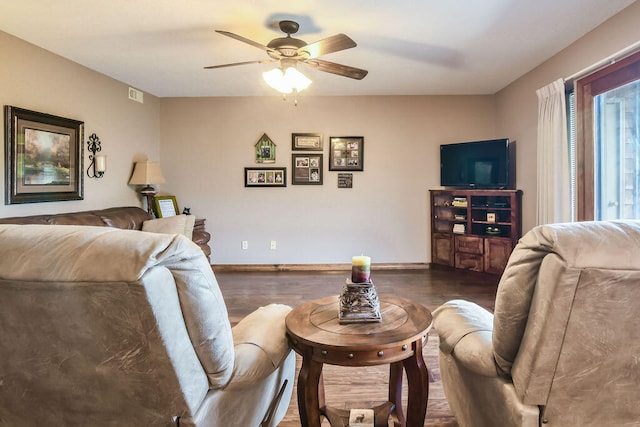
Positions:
(562, 348)
(108, 327)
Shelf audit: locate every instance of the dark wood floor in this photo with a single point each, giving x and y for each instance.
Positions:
(358, 387)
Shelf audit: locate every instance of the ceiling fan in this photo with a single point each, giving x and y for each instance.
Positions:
(290, 51)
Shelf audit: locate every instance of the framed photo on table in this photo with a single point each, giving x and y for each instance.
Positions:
(346, 153)
(307, 169)
(43, 157)
(166, 206)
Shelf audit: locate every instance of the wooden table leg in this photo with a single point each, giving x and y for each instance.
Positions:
(309, 382)
(418, 386)
(395, 393)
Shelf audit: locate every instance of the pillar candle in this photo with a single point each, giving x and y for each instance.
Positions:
(101, 163)
(361, 269)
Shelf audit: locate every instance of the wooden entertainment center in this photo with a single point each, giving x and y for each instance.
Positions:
(475, 229)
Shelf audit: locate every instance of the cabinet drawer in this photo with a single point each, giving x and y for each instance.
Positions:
(469, 261)
(469, 244)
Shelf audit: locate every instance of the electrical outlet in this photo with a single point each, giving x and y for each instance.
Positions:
(245, 245)
(273, 245)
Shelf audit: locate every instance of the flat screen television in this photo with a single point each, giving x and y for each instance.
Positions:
(478, 164)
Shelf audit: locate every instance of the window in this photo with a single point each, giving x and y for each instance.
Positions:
(607, 142)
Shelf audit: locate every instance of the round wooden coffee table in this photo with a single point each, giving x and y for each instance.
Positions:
(316, 334)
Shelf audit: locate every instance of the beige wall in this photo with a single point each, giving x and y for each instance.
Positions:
(204, 144)
(207, 142)
(517, 104)
(36, 79)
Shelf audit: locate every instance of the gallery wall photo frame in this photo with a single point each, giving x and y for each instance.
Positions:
(345, 180)
(307, 169)
(166, 206)
(43, 157)
(265, 150)
(306, 142)
(346, 153)
(265, 177)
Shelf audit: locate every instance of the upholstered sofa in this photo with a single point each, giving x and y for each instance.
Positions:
(562, 347)
(103, 327)
(127, 217)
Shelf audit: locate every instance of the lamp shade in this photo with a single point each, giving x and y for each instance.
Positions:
(146, 173)
(286, 80)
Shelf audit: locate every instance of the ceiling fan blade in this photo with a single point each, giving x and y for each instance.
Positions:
(339, 69)
(264, 61)
(328, 45)
(245, 40)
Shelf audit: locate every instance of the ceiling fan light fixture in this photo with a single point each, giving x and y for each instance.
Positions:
(286, 81)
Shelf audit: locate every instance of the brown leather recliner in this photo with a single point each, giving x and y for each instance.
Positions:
(563, 346)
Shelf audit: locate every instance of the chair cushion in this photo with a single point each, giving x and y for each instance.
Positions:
(458, 318)
(465, 330)
(261, 344)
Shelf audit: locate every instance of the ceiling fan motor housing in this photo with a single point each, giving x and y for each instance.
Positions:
(286, 46)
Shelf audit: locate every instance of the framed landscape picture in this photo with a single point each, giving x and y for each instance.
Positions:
(43, 157)
(346, 153)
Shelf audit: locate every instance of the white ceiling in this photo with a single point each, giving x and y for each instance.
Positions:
(409, 46)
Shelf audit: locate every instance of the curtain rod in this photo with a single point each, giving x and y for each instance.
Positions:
(607, 61)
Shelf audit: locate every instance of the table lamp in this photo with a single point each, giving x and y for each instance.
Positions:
(147, 173)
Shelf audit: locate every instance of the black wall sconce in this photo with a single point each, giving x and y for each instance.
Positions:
(98, 164)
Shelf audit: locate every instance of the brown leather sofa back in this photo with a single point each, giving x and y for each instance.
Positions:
(125, 217)
(129, 218)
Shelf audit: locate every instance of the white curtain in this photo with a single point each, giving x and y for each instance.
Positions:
(554, 195)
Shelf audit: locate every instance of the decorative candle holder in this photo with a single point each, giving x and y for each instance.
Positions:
(359, 303)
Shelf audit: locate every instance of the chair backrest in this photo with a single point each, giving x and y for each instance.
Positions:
(107, 326)
(566, 324)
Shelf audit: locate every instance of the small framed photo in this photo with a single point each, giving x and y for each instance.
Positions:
(307, 169)
(43, 157)
(306, 142)
(491, 217)
(345, 180)
(346, 153)
(166, 206)
(265, 177)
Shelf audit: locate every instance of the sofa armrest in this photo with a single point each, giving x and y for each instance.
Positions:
(261, 344)
(201, 238)
(465, 331)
